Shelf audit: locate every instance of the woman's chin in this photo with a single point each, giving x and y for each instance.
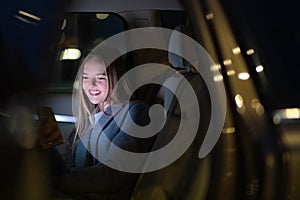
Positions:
(95, 101)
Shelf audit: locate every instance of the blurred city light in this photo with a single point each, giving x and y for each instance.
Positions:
(259, 68)
(250, 52)
(70, 54)
(244, 76)
(236, 51)
(102, 16)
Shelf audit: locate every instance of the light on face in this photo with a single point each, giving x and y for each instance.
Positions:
(70, 54)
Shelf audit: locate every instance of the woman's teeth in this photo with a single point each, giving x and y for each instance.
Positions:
(94, 92)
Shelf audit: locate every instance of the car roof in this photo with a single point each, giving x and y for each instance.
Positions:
(118, 6)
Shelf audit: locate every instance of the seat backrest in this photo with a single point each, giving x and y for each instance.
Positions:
(177, 180)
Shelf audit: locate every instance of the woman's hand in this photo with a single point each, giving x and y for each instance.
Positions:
(49, 136)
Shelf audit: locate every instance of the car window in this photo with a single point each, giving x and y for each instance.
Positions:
(170, 19)
(271, 29)
(80, 33)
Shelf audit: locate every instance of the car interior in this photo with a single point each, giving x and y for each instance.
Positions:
(256, 155)
(83, 28)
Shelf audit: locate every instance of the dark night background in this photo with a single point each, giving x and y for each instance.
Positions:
(272, 28)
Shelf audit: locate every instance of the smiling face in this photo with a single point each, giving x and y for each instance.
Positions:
(95, 81)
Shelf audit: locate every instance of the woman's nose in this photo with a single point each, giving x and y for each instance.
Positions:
(93, 82)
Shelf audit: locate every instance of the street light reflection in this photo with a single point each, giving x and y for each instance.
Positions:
(244, 76)
(286, 115)
(259, 68)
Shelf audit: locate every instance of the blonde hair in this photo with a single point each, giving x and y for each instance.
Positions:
(83, 109)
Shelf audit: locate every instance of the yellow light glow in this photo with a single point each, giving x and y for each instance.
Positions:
(218, 78)
(286, 114)
(277, 119)
(250, 52)
(64, 24)
(239, 101)
(70, 54)
(227, 62)
(102, 16)
(244, 76)
(209, 16)
(25, 20)
(230, 72)
(292, 113)
(236, 51)
(228, 130)
(254, 103)
(29, 15)
(215, 67)
(257, 106)
(259, 68)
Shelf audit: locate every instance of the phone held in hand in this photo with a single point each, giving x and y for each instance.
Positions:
(51, 133)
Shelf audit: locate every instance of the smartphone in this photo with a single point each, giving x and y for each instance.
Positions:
(47, 119)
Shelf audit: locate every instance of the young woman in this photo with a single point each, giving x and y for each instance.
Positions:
(101, 115)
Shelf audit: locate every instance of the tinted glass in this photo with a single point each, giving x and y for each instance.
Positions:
(80, 33)
(271, 28)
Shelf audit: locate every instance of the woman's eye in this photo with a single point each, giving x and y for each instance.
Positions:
(85, 77)
(101, 78)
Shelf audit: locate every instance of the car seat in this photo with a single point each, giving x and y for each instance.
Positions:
(188, 176)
